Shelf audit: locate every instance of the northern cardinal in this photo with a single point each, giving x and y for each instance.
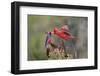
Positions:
(63, 33)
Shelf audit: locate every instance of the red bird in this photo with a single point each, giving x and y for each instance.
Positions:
(63, 33)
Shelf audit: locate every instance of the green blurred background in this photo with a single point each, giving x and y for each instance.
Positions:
(39, 24)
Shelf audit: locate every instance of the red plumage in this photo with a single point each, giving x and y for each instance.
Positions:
(63, 33)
